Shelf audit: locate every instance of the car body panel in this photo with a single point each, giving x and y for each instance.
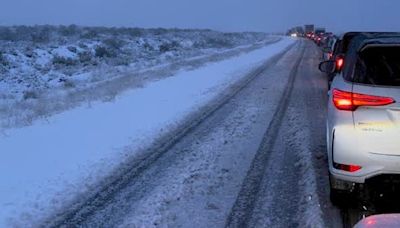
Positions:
(378, 127)
(350, 144)
(383, 220)
(337, 121)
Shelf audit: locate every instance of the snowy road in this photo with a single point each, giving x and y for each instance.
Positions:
(255, 157)
(249, 151)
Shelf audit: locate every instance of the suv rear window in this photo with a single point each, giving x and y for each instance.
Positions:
(379, 66)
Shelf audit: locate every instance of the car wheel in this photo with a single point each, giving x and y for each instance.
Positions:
(339, 198)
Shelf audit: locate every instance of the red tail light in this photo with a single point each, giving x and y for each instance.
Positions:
(347, 168)
(339, 63)
(351, 101)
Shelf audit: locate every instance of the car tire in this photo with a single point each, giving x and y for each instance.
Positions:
(339, 198)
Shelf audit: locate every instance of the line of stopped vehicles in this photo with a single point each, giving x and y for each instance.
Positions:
(363, 119)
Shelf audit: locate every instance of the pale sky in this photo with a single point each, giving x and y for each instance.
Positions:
(225, 15)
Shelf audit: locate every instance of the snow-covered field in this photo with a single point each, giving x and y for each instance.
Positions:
(47, 70)
(58, 158)
(33, 59)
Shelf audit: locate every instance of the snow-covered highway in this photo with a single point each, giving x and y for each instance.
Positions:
(257, 159)
(238, 142)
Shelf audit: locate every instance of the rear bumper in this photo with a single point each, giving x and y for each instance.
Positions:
(347, 150)
(362, 176)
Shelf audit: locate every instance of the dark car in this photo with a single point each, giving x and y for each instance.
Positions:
(340, 49)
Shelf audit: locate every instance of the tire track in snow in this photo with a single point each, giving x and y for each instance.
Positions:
(242, 210)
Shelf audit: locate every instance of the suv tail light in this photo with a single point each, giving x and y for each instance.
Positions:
(349, 101)
(347, 168)
(339, 63)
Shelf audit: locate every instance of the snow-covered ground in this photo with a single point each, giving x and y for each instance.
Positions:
(33, 59)
(55, 159)
(69, 66)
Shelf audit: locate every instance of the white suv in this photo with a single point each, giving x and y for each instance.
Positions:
(363, 122)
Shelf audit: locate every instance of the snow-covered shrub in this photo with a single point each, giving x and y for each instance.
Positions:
(82, 45)
(114, 43)
(118, 61)
(70, 30)
(148, 47)
(85, 57)
(30, 94)
(219, 42)
(72, 49)
(169, 46)
(3, 60)
(23, 33)
(159, 31)
(62, 60)
(103, 52)
(29, 52)
(135, 32)
(90, 34)
(41, 35)
(3, 65)
(67, 83)
(7, 34)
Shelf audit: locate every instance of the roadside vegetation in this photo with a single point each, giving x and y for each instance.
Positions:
(49, 69)
(40, 57)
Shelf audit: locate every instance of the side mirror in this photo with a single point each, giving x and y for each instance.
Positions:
(327, 66)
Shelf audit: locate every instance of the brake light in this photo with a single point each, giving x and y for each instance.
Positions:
(347, 168)
(339, 63)
(349, 101)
